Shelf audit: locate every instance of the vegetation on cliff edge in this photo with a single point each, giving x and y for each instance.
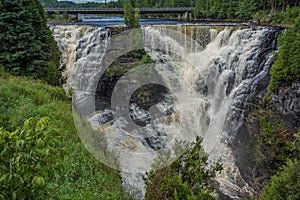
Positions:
(189, 177)
(286, 67)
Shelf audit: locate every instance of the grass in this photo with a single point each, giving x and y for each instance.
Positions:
(81, 176)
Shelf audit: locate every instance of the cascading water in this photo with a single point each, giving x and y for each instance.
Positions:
(215, 73)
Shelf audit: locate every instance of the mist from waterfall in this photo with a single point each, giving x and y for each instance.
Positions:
(214, 73)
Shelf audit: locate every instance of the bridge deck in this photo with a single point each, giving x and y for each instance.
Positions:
(119, 10)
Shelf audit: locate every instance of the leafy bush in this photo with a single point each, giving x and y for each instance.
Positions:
(187, 178)
(28, 158)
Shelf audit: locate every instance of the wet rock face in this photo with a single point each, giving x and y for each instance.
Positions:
(251, 93)
(286, 102)
(104, 90)
(256, 79)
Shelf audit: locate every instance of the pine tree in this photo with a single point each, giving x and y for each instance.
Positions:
(27, 45)
(136, 23)
(131, 16)
(128, 15)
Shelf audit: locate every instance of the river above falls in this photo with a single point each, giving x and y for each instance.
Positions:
(105, 21)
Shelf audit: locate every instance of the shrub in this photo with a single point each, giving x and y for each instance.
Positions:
(285, 184)
(28, 157)
(189, 177)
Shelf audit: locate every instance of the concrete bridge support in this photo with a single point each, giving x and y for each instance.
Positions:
(79, 19)
(184, 16)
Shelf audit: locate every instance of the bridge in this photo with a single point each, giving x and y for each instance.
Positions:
(183, 13)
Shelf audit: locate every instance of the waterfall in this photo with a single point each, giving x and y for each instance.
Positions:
(213, 74)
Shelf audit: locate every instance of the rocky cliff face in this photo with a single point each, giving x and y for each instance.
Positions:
(284, 106)
(286, 103)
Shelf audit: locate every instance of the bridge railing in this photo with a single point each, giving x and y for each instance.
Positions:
(83, 9)
(183, 9)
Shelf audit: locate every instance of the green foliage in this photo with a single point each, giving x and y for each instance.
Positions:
(27, 44)
(65, 15)
(286, 183)
(286, 67)
(2, 69)
(22, 99)
(136, 21)
(187, 178)
(246, 8)
(286, 18)
(135, 58)
(77, 175)
(129, 16)
(274, 144)
(29, 159)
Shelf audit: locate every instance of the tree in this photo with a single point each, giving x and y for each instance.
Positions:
(286, 67)
(199, 9)
(246, 8)
(136, 23)
(27, 45)
(131, 16)
(285, 184)
(128, 14)
(65, 15)
(215, 8)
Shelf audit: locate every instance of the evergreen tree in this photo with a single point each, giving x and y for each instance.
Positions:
(65, 15)
(136, 23)
(246, 9)
(27, 45)
(131, 16)
(285, 184)
(128, 14)
(287, 61)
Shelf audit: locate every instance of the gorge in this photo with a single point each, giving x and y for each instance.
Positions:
(211, 76)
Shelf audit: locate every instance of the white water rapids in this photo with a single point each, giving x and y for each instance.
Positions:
(215, 73)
